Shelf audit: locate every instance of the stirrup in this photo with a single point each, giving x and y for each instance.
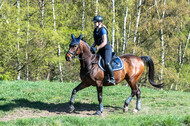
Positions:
(111, 81)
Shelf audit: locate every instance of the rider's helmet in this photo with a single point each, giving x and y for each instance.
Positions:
(97, 18)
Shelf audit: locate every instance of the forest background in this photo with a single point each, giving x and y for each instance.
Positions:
(35, 36)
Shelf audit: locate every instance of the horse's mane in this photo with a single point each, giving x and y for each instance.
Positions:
(86, 43)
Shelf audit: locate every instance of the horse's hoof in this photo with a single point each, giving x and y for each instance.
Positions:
(135, 111)
(125, 109)
(71, 108)
(98, 112)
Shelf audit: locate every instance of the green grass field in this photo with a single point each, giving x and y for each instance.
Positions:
(46, 103)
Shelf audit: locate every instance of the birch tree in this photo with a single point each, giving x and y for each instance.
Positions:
(83, 15)
(18, 46)
(182, 58)
(58, 45)
(124, 29)
(42, 19)
(96, 7)
(137, 23)
(162, 44)
(128, 34)
(27, 41)
(1, 5)
(113, 25)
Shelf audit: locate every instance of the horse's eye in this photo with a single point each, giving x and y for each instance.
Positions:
(75, 46)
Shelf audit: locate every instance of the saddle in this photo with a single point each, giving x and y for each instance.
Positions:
(116, 62)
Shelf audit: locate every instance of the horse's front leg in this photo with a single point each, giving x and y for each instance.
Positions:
(101, 107)
(81, 86)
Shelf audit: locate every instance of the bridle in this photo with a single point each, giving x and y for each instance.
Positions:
(74, 54)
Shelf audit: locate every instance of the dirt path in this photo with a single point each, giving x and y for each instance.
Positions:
(31, 113)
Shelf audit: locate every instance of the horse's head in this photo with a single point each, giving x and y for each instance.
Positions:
(74, 48)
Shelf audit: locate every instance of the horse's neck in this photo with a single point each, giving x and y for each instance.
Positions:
(86, 56)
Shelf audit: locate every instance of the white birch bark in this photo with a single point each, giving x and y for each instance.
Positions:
(83, 15)
(59, 48)
(183, 56)
(96, 7)
(162, 45)
(42, 19)
(27, 41)
(124, 28)
(117, 45)
(128, 35)
(1, 5)
(137, 24)
(18, 43)
(113, 26)
(179, 59)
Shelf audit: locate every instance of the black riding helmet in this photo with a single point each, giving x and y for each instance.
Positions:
(97, 18)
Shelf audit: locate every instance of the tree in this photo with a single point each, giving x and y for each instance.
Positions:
(58, 45)
(18, 43)
(113, 26)
(124, 30)
(137, 23)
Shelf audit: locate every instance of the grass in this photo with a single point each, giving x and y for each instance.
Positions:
(159, 107)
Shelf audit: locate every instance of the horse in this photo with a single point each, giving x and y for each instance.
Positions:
(92, 75)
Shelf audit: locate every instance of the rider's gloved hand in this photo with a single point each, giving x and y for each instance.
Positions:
(93, 49)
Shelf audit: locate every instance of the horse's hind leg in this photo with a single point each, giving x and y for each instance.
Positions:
(133, 89)
(75, 90)
(138, 104)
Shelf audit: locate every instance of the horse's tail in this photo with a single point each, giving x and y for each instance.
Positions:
(150, 63)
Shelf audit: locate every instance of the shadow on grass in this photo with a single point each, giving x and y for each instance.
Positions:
(51, 107)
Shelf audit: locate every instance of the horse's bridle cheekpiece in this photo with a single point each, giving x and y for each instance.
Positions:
(75, 41)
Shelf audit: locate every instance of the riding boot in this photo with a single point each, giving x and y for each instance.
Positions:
(109, 70)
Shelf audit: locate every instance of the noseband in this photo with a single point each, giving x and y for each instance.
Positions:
(73, 54)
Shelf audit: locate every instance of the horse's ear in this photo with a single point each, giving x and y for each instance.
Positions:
(72, 36)
(80, 36)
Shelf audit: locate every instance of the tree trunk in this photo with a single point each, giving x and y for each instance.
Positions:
(83, 15)
(96, 7)
(124, 29)
(18, 46)
(42, 19)
(128, 35)
(179, 59)
(183, 56)
(162, 45)
(137, 24)
(113, 26)
(27, 41)
(1, 5)
(59, 48)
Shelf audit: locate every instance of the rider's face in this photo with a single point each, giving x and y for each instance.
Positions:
(96, 24)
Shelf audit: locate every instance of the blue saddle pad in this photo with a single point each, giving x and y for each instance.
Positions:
(117, 64)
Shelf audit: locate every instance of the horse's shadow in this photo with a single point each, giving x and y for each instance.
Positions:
(51, 107)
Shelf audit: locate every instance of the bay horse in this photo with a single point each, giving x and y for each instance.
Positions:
(92, 75)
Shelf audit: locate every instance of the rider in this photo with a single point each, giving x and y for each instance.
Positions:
(105, 50)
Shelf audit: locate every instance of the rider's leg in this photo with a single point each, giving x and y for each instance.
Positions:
(108, 67)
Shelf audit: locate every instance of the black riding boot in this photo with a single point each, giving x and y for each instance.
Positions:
(109, 70)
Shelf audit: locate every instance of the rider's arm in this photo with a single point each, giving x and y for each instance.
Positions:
(104, 42)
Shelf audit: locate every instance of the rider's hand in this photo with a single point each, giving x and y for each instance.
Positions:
(93, 49)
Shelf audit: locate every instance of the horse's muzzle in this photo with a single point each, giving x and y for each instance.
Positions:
(67, 58)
